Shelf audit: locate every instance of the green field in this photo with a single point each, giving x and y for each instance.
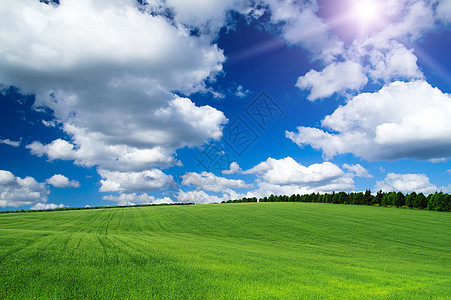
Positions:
(228, 251)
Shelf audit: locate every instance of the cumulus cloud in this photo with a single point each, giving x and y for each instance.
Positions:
(10, 143)
(45, 206)
(265, 189)
(301, 26)
(334, 78)
(381, 55)
(402, 120)
(288, 171)
(16, 191)
(286, 176)
(413, 19)
(396, 62)
(145, 181)
(357, 170)
(62, 181)
(210, 182)
(108, 71)
(206, 16)
(234, 169)
(406, 183)
(201, 197)
(198, 196)
(135, 199)
(443, 11)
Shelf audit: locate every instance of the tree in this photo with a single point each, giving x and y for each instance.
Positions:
(388, 198)
(439, 202)
(368, 197)
(378, 199)
(410, 199)
(421, 201)
(358, 198)
(399, 200)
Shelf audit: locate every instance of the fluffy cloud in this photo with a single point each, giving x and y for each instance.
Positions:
(413, 19)
(198, 196)
(206, 16)
(443, 11)
(334, 78)
(380, 55)
(62, 181)
(107, 70)
(396, 62)
(134, 199)
(16, 191)
(45, 206)
(402, 120)
(288, 171)
(265, 189)
(286, 176)
(406, 183)
(234, 169)
(145, 181)
(301, 26)
(201, 197)
(10, 143)
(210, 182)
(357, 170)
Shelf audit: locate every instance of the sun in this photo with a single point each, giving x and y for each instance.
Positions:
(366, 11)
(366, 14)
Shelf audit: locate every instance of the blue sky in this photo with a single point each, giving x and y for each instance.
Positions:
(129, 102)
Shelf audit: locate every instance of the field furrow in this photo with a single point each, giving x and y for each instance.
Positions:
(227, 251)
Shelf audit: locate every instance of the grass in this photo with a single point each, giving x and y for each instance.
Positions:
(228, 251)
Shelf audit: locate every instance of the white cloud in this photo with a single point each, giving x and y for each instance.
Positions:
(201, 197)
(16, 191)
(62, 181)
(265, 189)
(396, 62)
(303, 27)
(402, 120)
(288, 171)
(406, 183)
(108, 71)
(413, 20)
(241, 92)
(336, 77)
(10, 143)
(443, 11)
(45, 206)
(197, 196)
(145, 181)
(134, 199)
(286, 176)
(449, 172)
(358, 170)
(207, 16)
(380, 55)
(234, 169)
(210, 182)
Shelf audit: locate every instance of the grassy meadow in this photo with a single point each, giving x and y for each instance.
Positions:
(227, 251)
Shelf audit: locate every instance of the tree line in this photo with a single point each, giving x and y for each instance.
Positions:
(438, 201)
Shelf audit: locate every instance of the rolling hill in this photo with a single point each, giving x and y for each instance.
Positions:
(227, 251)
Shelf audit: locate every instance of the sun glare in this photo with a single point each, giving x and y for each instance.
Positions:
(366, 11)
(366, 14)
